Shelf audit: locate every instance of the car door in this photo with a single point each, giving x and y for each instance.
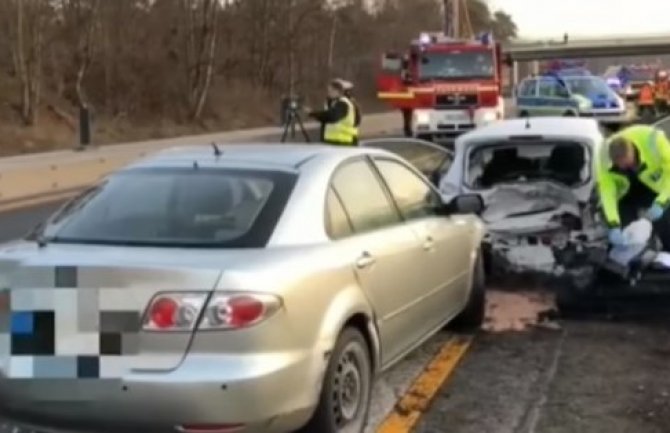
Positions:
(526, 100)
(384, 254)
(546, 91)
(444, 256)
(431, 160)
(555, 97)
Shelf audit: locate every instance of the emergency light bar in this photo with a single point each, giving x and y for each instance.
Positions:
(426, 38)
(557, 65)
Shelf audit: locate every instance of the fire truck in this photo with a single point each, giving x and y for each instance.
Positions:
(444, 87)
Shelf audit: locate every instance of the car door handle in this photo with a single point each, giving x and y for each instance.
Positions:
(365, 261)
(429, 243)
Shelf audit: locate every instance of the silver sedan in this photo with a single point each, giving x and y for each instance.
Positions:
(254, 288)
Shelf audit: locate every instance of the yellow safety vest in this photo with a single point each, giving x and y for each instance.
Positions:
(654, 152)
(343, 132)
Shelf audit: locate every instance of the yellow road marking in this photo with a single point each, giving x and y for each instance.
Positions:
(417, 399)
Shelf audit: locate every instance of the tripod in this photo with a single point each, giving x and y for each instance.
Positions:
(293, 119)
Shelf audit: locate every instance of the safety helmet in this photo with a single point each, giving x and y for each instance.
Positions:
(346, 85)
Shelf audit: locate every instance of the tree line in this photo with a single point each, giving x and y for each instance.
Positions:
(213, 63)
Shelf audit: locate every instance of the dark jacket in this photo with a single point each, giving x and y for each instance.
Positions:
(357, 119)
(322, 130)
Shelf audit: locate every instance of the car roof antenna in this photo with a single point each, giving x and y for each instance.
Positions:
(217, 151)
(527, 122)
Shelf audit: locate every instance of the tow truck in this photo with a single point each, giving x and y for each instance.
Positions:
(444, 87)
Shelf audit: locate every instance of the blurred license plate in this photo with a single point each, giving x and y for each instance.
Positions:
(456, 118)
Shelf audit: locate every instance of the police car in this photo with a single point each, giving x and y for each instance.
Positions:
(577, 95)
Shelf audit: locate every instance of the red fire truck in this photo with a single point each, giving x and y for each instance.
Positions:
(444, 87)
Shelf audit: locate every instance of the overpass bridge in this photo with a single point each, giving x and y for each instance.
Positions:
(584, 48)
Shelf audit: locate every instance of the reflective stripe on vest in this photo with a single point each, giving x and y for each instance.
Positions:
(344, 131)
(652, 144)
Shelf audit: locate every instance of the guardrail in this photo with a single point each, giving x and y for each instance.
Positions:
(38, 178)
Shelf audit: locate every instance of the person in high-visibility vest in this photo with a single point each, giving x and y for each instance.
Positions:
(348, 92)
(339, 119)
(646, 96)
(633, 177)
(661, 91)
(646, 106)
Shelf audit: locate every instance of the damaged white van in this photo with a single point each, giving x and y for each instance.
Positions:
(537, 180)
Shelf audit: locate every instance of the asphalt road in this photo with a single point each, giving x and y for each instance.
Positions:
(593, 376)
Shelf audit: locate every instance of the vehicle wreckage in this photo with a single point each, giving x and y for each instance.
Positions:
(536, 178)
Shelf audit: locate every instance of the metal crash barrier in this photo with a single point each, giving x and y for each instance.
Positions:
(31, 179)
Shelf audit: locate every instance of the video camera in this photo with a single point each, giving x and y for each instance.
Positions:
(291, 103)
(290, 109)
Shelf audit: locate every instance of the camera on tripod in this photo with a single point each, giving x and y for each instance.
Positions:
(291, 106)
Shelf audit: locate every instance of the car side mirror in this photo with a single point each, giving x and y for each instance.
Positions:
(465, 204)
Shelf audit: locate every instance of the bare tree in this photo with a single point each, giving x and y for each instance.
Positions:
(27, 34)
(150, 66)
(87, 16)
(200, 36)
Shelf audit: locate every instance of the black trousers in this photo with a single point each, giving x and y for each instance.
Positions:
(638, 199)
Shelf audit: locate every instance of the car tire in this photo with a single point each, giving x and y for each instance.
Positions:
(349, 365)
(569, 114)
(524, 114)
(472, 317)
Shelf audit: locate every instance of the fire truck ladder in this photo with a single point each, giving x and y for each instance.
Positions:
(456, 12)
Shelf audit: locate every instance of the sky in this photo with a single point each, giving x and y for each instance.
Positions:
(588, 18)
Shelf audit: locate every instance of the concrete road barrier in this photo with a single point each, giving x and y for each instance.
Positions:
(37, 178)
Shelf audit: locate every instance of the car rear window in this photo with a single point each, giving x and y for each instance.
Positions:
(189, 207)
(507, 161)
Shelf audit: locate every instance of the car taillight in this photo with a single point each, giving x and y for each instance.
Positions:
(238, 310)
(224, 310)
(174, 311)
(488, 99)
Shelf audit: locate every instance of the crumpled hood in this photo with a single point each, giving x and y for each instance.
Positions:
(528, 207)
